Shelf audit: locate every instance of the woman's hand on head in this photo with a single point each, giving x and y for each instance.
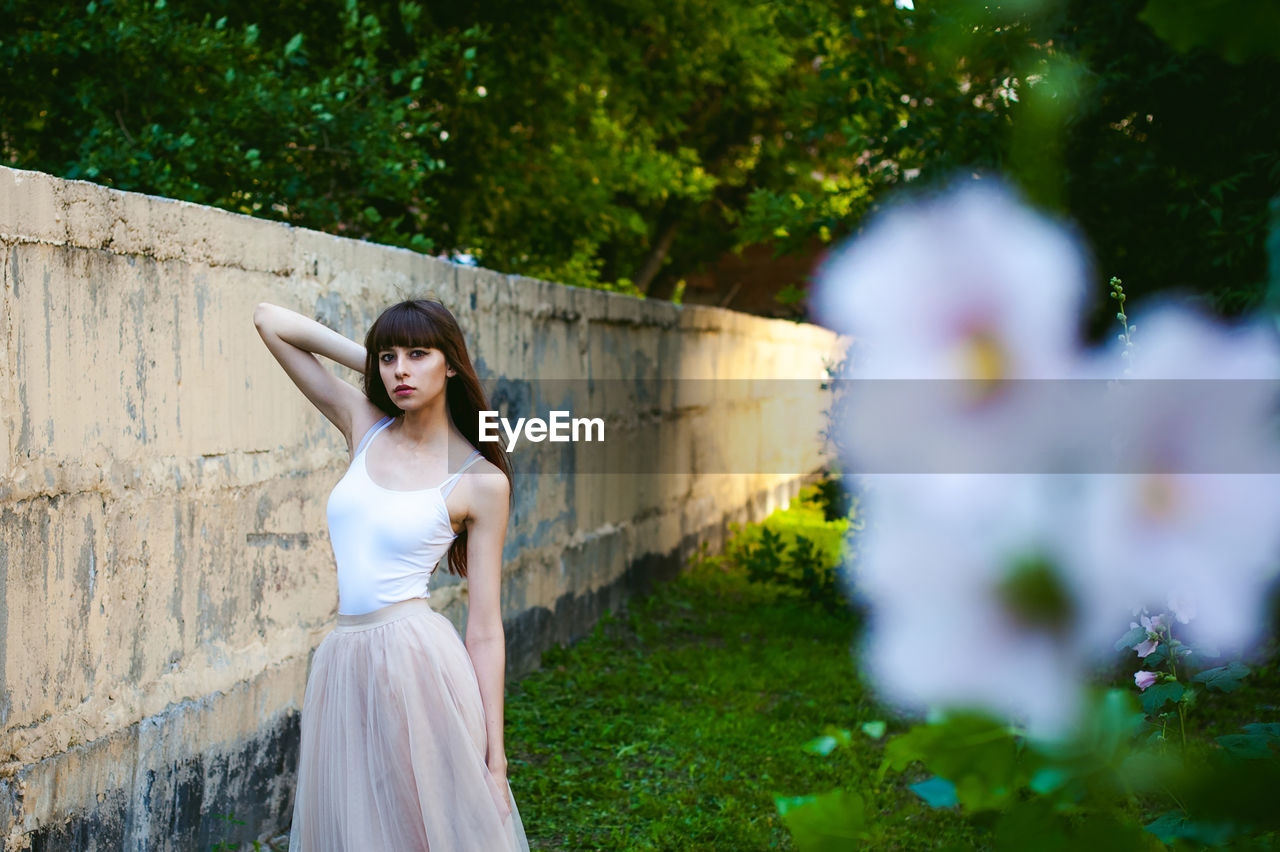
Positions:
(295, 341)
(308, 335)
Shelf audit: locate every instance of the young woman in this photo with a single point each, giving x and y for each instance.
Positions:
(402, 745)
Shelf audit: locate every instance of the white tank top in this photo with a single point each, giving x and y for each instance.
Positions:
(386, 542)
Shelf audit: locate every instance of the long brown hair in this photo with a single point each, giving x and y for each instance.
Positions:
(428, 324)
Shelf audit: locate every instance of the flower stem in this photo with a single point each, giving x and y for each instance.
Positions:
(1182, 721)
(1173, 669)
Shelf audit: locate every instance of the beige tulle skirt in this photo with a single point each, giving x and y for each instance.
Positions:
(393, 743)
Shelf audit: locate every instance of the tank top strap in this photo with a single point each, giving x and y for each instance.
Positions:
(453, 480)
(368, 436)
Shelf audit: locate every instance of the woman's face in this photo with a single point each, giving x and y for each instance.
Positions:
(413, 375)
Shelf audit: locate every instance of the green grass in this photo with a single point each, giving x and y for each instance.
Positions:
(672, 726)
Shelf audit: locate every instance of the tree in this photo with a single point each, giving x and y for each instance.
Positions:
(305, 113)
(1166, 160)
(627, 145)
(619, 142)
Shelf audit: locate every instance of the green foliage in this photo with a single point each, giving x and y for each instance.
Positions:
(1154, 698)
(796, 548)
(831, 822)
(1104, 787)
(976, 756)
(1162, 157)
(1125, 338)
(619, 143)
(1237, 30)
(1037, 796)
(836, 502)
(1260, 741)
(682, 726)
(627, 146)
(1082, 791)
(1112, 783)
(1171, 662)
(325, 115)
(1172, 826)
(1223, 678)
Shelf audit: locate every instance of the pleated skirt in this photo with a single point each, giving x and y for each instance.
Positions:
(392, 757)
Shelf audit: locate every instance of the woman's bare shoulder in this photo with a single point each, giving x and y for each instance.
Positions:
(485, 468)
(488, 480)
(363, 418)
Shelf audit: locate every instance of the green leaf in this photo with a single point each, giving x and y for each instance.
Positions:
(1247, 746)
(293, 45)
(828, 822)
(1173, 825)
(874, 729)
(1047, 779)
(1157, 696)
(1037, 824)
(1156, 657)
(1030, 824)
(790, 295)
(938, 792)
(1112, 723)
(1223, 678)
(822, 745)
(1133, 637)
(1261, 741)
(1239, 30)
(979, 755)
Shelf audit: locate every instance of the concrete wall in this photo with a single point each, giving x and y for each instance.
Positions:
(165, 570)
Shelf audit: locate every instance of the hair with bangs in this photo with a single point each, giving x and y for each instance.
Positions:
(428, 324)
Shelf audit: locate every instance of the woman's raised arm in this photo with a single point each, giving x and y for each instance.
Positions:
(295, 341)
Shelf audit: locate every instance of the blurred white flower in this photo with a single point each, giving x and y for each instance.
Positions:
(950, 301)
(968, 604)
(1186, 530)
(1144, 679)
(1000, 591)
(969, 285)
(1197, 397)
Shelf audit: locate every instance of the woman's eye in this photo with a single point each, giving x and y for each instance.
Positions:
(386, 357)
(418, 352)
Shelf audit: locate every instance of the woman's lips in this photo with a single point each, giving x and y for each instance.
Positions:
(401, 390)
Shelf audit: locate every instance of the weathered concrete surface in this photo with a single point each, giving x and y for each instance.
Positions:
(165, 570)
